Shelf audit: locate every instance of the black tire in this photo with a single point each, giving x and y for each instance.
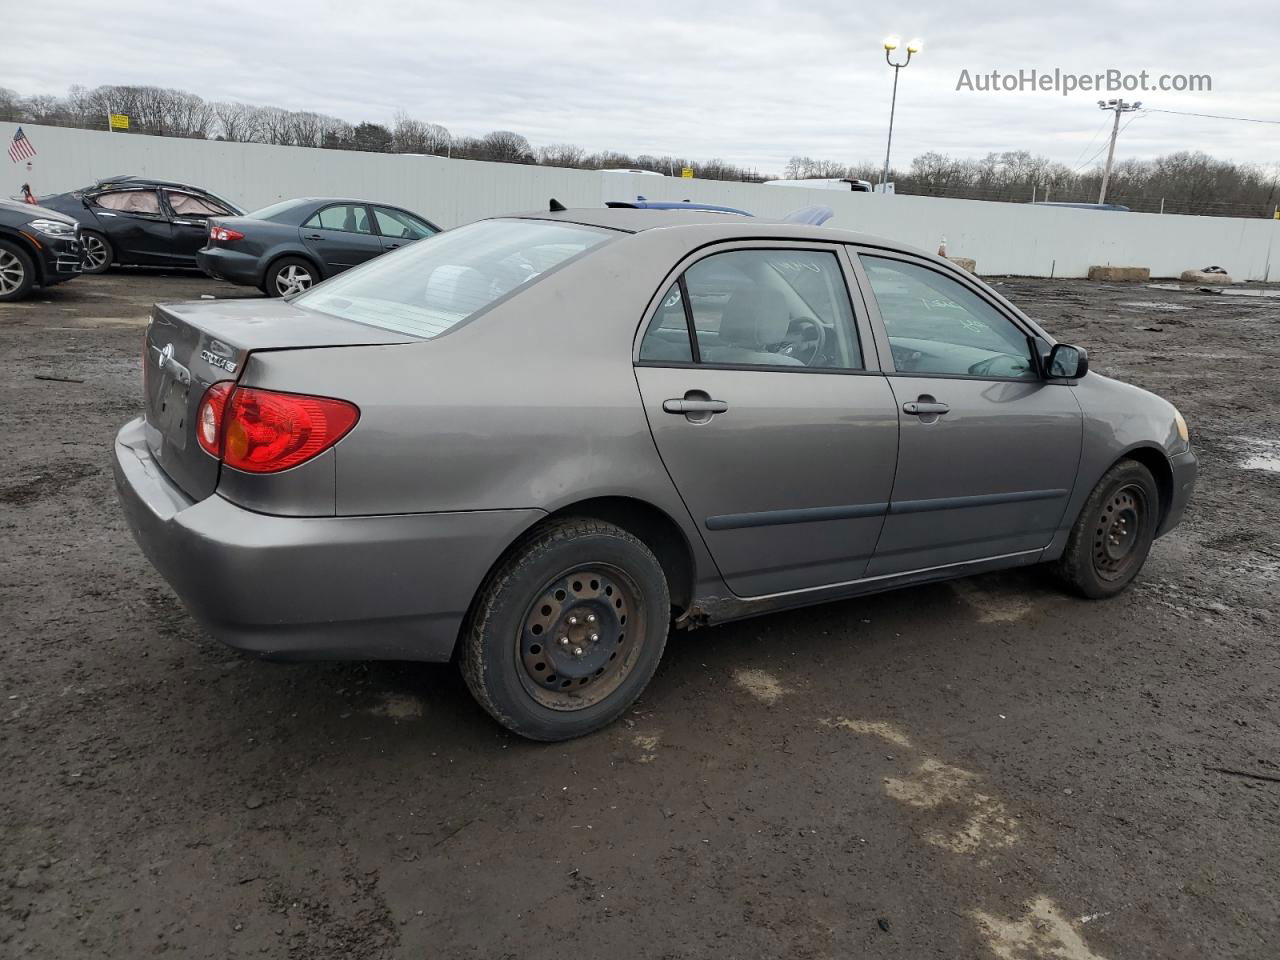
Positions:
(17, 272)
(97, 252)
(529, 653)
(1113, 534)
(289, 275)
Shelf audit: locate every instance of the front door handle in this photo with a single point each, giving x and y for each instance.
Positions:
(313, 236)
(925, 408)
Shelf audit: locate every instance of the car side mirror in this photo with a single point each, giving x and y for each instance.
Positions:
(1066, 362)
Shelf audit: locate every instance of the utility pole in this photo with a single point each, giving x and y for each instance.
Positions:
(1119, 106)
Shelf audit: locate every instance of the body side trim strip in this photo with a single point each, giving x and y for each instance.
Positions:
(771, 518)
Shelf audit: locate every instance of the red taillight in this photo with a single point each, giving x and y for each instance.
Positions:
(224, 234)
(209, 417)
(263, 431)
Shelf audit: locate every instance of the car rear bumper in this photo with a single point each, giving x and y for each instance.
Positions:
(1185, 468)
(375, 587)
(231, 265)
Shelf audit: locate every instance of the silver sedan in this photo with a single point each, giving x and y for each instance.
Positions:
(536, 443)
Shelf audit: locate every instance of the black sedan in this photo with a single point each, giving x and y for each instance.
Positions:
(38, 248)
(285, 248)
(137, 221)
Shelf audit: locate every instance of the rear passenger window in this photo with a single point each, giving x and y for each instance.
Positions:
(773, 308)
(668, 335)
(130, 201)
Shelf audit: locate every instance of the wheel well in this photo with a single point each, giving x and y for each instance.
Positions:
(652, 527)
(289, 254)
(20, 241)
(1156, 461)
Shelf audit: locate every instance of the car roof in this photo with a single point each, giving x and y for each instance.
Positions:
(730, 226)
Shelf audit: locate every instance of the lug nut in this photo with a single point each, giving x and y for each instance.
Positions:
(595, 638)
(591, 618)
(564, 641)
(577, 651)
(573, 621)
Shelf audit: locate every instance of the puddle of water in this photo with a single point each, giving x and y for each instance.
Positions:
(1270, 293)
(1153, 305)
(1260, 454)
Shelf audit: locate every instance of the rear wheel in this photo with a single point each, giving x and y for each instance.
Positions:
(568, 631)
(1114, 532)
(97, 252)
(289, 275)
(17, 272)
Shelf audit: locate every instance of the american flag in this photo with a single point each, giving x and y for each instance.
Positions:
(20, 147)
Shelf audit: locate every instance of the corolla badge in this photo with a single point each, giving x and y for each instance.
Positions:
(222, 363)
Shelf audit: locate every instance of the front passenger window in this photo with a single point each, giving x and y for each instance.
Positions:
(936, 325)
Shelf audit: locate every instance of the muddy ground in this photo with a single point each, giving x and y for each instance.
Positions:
(984, 769)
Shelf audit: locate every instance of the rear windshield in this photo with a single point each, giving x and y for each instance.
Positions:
(272, 211)
(437, 283)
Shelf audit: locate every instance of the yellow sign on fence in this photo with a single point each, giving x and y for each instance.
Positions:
(686, 173)
(119, 121)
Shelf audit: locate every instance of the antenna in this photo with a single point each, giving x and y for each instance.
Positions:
(557, 206)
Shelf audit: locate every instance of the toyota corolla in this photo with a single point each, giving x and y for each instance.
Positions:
(536, 443)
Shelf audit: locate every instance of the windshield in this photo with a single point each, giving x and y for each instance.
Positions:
(427, 288)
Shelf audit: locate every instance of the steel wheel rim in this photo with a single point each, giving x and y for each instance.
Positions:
(1118, 532)
(95, 252)
(12, 272)
(292, 279)
(559, 663)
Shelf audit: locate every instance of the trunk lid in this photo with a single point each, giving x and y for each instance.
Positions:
(192, 345)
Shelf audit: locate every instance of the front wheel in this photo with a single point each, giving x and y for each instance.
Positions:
(567, 631)
(1113, 534)
(17, 273)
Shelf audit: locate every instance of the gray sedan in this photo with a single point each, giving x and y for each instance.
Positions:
(538, 442)
(287, 247)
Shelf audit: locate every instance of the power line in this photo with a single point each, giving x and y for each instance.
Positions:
(1105, 145)
(1211, 116)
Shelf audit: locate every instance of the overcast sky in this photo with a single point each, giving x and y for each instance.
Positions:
(749, 81)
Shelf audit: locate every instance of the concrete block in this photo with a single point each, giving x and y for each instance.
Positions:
(965, 263)
(1126, 274)
(1199, 276)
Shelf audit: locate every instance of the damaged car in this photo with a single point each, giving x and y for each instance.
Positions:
(538, 442)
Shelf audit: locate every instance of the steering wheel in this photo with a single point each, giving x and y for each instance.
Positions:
(806, 349)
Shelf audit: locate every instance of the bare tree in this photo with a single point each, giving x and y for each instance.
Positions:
(507, 146)
(562, 155)
(236, 121)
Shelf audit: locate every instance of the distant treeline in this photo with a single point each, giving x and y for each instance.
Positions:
(1185, 182)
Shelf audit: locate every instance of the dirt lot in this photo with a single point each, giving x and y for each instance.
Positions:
(983, 769)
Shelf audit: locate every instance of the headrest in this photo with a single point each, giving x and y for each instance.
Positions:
(754, 317)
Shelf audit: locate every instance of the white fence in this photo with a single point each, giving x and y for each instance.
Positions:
(1004, 238)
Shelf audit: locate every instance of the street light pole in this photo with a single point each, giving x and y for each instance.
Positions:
(890, 45)
(1119, 106)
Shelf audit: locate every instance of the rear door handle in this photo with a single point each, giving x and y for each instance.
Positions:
(925, 408)
(694, 406)
(314, 236)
